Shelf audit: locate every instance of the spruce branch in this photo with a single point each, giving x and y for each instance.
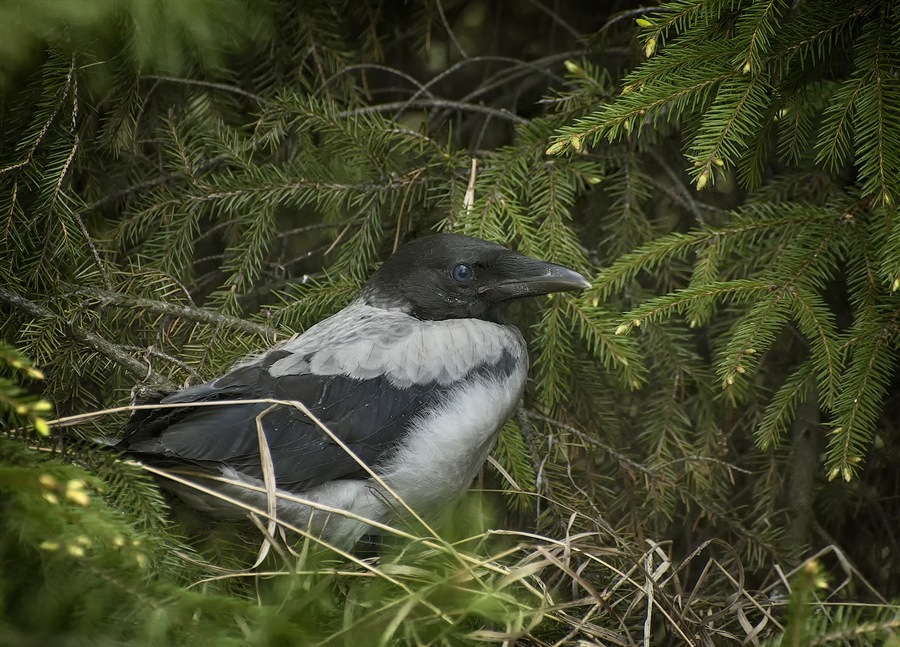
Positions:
(780, 411)
(834, 138)
(877, 118)
(875, 352)
(614, 351)
(727, 126)
(678, 302)
(191, 313)
(817, 324)
(58, 100)
(756, 27)
(113, 352)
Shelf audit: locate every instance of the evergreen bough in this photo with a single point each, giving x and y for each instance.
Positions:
(727, 172)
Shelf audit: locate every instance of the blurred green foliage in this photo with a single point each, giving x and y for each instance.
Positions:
(157, 36)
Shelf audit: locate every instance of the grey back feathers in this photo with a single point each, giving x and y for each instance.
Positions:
(366, 342)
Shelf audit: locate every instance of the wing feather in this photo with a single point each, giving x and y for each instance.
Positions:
(370, 416)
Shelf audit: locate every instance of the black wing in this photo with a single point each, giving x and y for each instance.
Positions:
(370, 416)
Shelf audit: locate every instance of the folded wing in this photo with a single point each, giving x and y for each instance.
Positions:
(368, 415)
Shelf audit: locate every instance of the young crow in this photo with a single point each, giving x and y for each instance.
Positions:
(416, 376)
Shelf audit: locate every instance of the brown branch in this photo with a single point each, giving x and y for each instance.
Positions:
(450, 33)
(150, 184)
(108, 349)
(211, 85)
(555, 17)
(185, 312)
(436, 103)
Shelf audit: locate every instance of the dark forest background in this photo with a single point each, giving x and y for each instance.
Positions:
(708, 452)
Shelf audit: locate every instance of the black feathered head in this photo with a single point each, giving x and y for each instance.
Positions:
(451, 276)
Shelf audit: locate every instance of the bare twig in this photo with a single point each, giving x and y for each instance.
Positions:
(558, 20)
(469, 199)
(683, 195)
(373, 66)
(152, 351)
(450, 33)
(436, 103)
(210, 85)
(520, 68)
(633, 13)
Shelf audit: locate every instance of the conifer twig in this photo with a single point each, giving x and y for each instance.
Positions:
(108, 349)
(199, 315)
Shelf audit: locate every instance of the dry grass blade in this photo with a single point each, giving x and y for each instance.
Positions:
(268, 470)
(260, 513)
(72, 420)
(629, 595)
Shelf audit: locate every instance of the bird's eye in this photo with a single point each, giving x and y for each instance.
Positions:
(462, 273)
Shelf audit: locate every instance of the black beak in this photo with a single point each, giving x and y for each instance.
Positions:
(523, 276)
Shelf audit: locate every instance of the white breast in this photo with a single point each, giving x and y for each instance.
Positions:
(445, 449)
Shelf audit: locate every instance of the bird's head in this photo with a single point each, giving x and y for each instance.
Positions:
(451, 276)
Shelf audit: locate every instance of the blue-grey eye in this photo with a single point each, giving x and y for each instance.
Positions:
(463, 273)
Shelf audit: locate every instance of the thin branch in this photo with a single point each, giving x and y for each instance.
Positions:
(47, 124)
(540, 66)
(149, 184)
(152, 351)
(559, 20)
(94, 251)
(436, 103)
(450, 33)
(373, 66)
(678, 186)
(185, 312)
(211, 85)
(633, 13)
(306, 228)
(108, 349)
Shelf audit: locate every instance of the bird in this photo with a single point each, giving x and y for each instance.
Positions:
(416, 377)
